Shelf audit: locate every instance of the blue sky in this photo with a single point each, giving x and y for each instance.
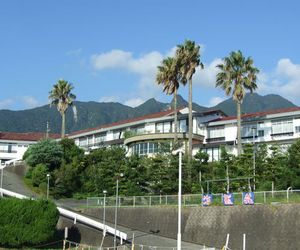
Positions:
(109, 50)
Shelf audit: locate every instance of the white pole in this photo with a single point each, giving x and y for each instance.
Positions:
(179, 203)
(1, 183)
(244, 241)
(227, 242)
(116, 214)
(104, 226)
(253, 129)
(48, 177)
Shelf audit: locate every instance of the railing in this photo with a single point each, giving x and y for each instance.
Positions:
(261, 197)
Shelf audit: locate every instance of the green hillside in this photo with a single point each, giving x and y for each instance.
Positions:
(93, 114)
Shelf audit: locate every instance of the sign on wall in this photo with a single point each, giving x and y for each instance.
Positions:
(248, 198)
(207, 199)
(228, 199)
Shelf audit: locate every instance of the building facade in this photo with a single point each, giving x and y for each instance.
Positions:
(14, 145)
(154, 133)
(148, 134)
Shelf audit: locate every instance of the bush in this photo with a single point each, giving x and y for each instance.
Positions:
(47, 152)
(26, 222)
(39, 175)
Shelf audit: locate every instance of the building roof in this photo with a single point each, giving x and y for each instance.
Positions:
(32, 136)
(136, 119)
(260, 114)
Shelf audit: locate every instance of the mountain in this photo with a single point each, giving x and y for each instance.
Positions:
(93, 114)
(255, 103)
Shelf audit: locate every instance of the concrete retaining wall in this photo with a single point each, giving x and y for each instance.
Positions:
(265, 226)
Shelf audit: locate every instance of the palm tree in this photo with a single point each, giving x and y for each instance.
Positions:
(167, 75)
(236, 75)
(188, 57)
(62, 98)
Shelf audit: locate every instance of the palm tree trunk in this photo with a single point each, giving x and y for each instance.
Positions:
(239, 137)
(190, 150)
(175, 120)
(63, 124)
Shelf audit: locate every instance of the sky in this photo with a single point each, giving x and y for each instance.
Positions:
(110, 50)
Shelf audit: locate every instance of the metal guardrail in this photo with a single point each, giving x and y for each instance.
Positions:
(261, 197)
(74, 216)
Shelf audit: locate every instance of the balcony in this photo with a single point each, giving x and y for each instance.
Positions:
(161, 136)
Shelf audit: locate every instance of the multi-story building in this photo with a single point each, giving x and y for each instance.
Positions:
(145, 135)
(14, 145)
(151, 133)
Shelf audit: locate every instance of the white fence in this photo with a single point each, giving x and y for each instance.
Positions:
(261, 197)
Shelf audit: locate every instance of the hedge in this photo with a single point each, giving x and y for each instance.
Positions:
(26, 222)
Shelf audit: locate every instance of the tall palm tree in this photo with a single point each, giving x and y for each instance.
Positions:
(188, 56)
(62, 98)
(237, 74)
(167, 75)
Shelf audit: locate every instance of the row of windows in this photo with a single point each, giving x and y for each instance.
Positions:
(145, 148)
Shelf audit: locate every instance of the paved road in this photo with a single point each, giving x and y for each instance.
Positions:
(15, 183)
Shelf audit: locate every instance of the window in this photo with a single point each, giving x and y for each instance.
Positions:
(182, 127)
(167, 127)
(145, 148)
(248, 130)
(116, 135)
(282, 127)
(90, 140)
(159, 127)
(213, 153)
(261, 133)
(82, 141)
(216, 132)
(100, 138)
(297, 129)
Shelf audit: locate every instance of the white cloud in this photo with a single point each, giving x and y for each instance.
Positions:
(109, 99)
(145, 66)
(214, 101)
(284, 80)
(6, 104)
(30, 102)
(207, 77)
(134, 102)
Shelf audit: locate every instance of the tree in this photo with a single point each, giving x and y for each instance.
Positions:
(236, 75)
(188, 58)
(168, 76)
(62, 98)
(47, 152)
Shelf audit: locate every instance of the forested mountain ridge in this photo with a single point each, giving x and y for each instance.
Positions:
(93, 114)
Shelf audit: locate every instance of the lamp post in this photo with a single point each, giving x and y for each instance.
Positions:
(104, 226)
(104, 192)
(48, 178)
(253, 140)
(116, 209)
(1, 180)
(179, 151)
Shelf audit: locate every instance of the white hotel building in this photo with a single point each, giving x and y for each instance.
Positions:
(211, 129)
(145, 135)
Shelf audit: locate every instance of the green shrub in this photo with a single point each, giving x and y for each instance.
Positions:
(26, 222)
(39, 175)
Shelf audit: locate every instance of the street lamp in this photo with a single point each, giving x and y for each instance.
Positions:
(179, 151)
(104, 192)
(104, 226)
(1, 180)
(253, 140)
(116, 209)
(48, 178)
